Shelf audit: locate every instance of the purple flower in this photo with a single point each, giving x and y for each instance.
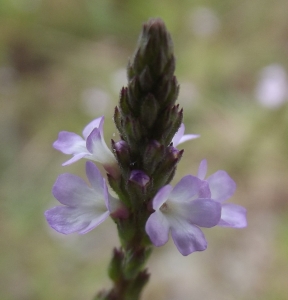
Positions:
(180, 211)
(92, 146)
(180, 137)
(84, 207)
(222, 187)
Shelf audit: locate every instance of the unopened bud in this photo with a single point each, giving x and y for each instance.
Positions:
(139, 177)
(115, 268)
(153, 155)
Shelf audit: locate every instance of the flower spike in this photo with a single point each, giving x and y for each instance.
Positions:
(140, 168)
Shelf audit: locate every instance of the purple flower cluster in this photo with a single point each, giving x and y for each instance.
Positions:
(180, 210)
(193, 203)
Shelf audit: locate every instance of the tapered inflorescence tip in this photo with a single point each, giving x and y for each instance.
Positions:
(156, 29)
(154, 53)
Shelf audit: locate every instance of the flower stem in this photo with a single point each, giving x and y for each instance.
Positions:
(147, 118)
(126, 268)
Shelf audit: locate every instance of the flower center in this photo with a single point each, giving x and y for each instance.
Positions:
(164, 207)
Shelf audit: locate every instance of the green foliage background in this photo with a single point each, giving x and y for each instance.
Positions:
(51, 52)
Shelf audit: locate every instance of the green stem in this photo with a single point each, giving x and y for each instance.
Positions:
(127, 264)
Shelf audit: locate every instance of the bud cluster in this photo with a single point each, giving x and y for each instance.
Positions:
(147, 117)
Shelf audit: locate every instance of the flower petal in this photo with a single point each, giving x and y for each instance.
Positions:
(70, 143)
(178, 135)
(222, 186)
(162, 196)
(233, 215)
(66, 219)
(110, 202)
(75, 158)
(204, 190)
(186, 188)
(95, 222)
(202, 170)
(98, 148)
(188, 137)
(92, 125)
(157, 227)
(200, 212)
(73, 191)
(188, 238)
(180, 138)
(95, 178)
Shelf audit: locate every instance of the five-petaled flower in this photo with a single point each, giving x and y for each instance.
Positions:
(222, 187)
(84, 207)
(92, 147)
(179, 210)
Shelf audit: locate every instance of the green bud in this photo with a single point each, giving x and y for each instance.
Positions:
(167, 93)
(130, 71)
(169, 68)
(116, 265)
(149, 111)
(163, 173)
(137, 191)
(137, 63)
(172, 93)
(123, 102)
(133, 131)
(155, 49)
(137, 285)
(119, 188)
(146, 80)
(118, 122)
(122, 153)
(152, 156)
(134, 95)
(126, 231)
(174, 117)
(135, 260)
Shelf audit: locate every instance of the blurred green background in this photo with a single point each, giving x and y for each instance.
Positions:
(62, 63)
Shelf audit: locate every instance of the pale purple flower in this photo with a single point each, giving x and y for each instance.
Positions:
(222, 187)
(180, 211)
(92, 146)
(84, 207)
(180, 137)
